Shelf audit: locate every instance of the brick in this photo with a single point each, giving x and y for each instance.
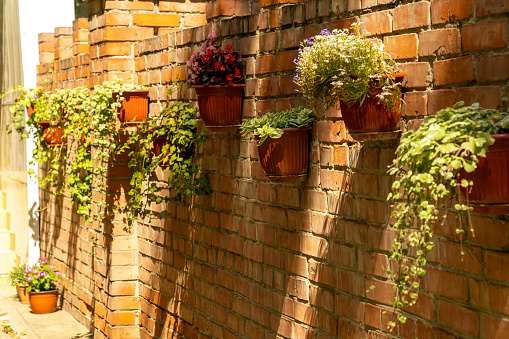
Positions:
(484, 35)
(194, 20)
(285, 61)
(490, 7)
(412, 15)
(132, 5)
(486, 96)
(249, 45)
(402, 46)
(268, 42)
(376, 23)
(490, 296)
(493, 67)
(126, 34)
(451, 255)
(418, 74)
(330, 131)
(114, 19)
(415, 104)
(156, 20)
(59, 31)
(458, 318)
(264, 64)
(454, 71)
(450, 285)
(494, 328)
(496, 263)
(439, 42)
(174, 6)
(268, 87)
(451, 10)
(440, 99)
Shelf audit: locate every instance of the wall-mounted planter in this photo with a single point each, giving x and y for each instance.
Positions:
(43, 302)
(53, 135)
(491, 177)
(371, 116)
(161, 141)
(286, 159)
(220, 105)
(30, 111)
(134, 106)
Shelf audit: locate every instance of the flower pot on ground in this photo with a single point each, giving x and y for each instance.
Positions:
(53, 135)
(42, 280)
(43, 302)
(283, 143)
(216, 74)
(432, 166)
(348, 68)
(22, 292)
(134, 107)
(18, 279)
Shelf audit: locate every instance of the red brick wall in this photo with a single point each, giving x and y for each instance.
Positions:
(256, 259)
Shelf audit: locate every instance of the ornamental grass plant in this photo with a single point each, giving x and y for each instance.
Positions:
(346, 66)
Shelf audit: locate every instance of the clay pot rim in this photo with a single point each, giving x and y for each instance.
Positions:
(390, 75)
(213, 86)
(44, 292)
(290, 129)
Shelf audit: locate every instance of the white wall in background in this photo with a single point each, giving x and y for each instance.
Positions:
(38, 16)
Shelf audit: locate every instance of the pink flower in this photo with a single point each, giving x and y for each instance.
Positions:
(212, 36)
(29, 279)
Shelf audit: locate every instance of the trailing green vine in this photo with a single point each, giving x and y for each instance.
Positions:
(169, 141)
(427, 167)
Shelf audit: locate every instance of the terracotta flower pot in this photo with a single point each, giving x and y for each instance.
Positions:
(30, 111)
(371, 116)
(53, 135)
(43, 302)
(286, 156)
(491, 177)
(161, 141)
(220, 105)
(134, 106)
(22, 294)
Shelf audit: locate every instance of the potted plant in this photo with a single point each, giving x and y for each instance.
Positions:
(165, 142)
(433, 166)
(283, 142)
(18, 279)
(357, 72)
(42, 282)
(216, 75)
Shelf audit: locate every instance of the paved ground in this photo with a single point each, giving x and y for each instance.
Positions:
(57, 325)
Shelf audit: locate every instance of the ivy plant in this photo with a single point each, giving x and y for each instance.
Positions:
(175, 130)
(271, 124)
(427, 169)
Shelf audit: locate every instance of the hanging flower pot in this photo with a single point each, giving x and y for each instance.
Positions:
(491, 177)
(43, 302)
(373, 116)
(286, 159)
(53, 135)
(30, 111)
(134, 106)
(22, 292)
(220, 105)
(283, 143)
